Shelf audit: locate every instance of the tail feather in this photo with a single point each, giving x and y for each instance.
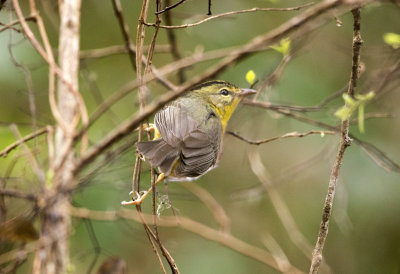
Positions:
(159, 154)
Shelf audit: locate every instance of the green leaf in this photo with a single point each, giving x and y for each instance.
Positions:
(348, 100)
(366, 97)
(343, 113)
(283, 47)
(392, 39)
(352, 105)
(250, 76)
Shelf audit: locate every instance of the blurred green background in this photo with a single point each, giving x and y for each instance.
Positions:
(364, 232)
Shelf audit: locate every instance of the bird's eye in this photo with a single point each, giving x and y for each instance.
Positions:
(224, 92)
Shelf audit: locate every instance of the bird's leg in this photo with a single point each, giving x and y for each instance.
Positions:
(150, 127)
(142, 196)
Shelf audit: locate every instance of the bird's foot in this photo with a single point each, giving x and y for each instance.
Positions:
(143, 194)
(149, 128)
(138, 200)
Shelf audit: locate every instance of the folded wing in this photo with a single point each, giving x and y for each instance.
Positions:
(186, 148)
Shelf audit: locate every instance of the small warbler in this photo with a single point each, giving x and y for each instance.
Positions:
(189, 130)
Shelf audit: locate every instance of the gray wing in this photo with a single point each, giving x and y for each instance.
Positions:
(200, 149)
(195, 144)
(174, 123)
(159, 153)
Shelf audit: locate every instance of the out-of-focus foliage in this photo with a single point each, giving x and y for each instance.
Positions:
(283, 47)
(392, 39)
(250, 76)
(351, 105)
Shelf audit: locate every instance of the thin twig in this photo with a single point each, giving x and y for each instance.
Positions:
(190, 225)
(125, 32)
(277, 252)
(140, 36)
(376, 154)
(25, 139)
(286, 175)
(288, 222)
(16, 22)
(274, 76)
(383, 80)
(47, 55)
(18, 194)
(216, 209)
(345, 141)
(173, 44)
(29, 85)
(31, 157)
(150, 236)
(170, 7)
(229, 14)
(117, 49)
(287, 135)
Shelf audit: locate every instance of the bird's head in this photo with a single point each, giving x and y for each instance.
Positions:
(222, 96)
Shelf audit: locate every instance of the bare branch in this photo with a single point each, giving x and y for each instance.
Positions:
(55, 217)
(230, 14)
(125, 32)
(215, 208)
(16, 22)
(18, 194)
(377, 155)
(345, 141)
(170, 7)
(287, 135)
(173, 43)
(117, 49)
(25, 139)
(299, 240)
(187, 224)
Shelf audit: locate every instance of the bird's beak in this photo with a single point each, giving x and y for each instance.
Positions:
(246, 91)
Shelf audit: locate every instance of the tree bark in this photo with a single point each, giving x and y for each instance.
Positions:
(54, 257)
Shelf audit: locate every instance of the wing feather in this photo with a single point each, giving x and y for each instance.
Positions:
(159, 153)
(193, 144)
(174, 123)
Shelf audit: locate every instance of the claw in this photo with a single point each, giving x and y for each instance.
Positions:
(142, 194)
(137, 201)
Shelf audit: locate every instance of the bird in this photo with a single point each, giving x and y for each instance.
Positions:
(188, 132)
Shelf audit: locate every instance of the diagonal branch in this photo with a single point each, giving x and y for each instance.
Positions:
(170, 7)
(25, 139)
(225, 239)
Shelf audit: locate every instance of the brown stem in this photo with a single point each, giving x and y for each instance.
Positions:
(170, 7)
(230, 13)
(54, 258)
(27, 138)
(287, 135)
(125, 32)
(345, 141)
(174, 45)
(225, 239)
